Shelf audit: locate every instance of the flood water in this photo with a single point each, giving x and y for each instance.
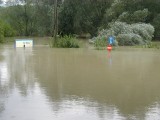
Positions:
(43, 83)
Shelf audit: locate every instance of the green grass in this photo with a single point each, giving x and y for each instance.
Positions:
(66, 42)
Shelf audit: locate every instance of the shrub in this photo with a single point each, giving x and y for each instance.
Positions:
(8, 30)
(1, 35)
(129, 39)
(117, 28)
(5, 31)
(146, 31)
(128, 34)
(100, 43)
(67, 42)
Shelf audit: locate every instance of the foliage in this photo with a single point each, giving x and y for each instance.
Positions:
(129, 39)
(67, 42)
(135, 17)
(1, 35)
(8, 31)
(32, 18)
(156, 23)
(35, 17)
(5, 31)
(133, 11)
(100, 43)
(146, 31)
(83, 16)
(128, 34)
(119, 10)
(111, 14)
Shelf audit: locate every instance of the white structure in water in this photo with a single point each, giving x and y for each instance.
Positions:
(23, 43)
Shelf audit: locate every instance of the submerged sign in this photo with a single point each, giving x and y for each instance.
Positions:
(23, 43)
(111, 40)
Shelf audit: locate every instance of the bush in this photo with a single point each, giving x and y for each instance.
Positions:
(129, 39)
(117, 28)
(67, 42)
(1, 35)
(128, 34)
(5, 31)
(100, 43)
(8, 31)
(146, 31)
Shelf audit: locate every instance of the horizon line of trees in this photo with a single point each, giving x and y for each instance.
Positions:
(35, 17)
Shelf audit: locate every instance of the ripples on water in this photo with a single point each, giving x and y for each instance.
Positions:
(41, 83)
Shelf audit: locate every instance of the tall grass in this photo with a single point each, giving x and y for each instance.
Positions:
(100, 44)
(66, 42)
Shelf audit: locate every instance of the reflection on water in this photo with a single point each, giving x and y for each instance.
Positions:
(79, 84)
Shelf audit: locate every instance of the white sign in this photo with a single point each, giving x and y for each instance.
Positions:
(23, 43)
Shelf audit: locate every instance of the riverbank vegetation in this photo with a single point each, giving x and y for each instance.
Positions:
(67, 42)
(130, 22)
(127, 34)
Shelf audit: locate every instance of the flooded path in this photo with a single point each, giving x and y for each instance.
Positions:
(42, 83)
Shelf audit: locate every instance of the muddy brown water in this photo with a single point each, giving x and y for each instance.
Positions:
(43, 83)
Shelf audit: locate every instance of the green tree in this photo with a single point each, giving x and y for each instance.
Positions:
(156, 23)
(112, 13)
(1, 34)
(31, 17)
(82, 16)
(35, 17)
(135, 17)
(5, 31)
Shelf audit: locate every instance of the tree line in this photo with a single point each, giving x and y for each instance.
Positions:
(35, 17)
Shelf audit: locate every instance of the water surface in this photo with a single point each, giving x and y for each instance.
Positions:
(43, 83)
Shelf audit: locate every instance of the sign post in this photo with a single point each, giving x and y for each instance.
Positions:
(110, 42)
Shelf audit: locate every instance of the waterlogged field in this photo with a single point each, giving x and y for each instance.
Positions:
(43, 83)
